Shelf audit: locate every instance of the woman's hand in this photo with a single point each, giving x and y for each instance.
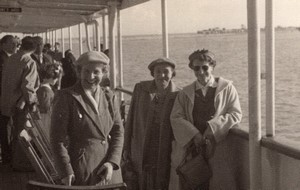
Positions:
(198, 140)
(68, 180)
(105, 172)
(210, 147)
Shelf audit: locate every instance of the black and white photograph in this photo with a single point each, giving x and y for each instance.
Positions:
(149, 95)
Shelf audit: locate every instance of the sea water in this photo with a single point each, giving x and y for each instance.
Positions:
(232, 63)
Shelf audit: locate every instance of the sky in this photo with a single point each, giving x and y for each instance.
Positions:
(189, 16)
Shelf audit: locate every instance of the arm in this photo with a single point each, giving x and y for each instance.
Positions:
(58, 134)
(129, 122)
(117, 137)
(30, 82)
(221, 124)
(184, 131)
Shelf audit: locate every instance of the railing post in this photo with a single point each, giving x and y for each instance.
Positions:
(270, 70)
(254, 92)
(164, 28)
(112, 43)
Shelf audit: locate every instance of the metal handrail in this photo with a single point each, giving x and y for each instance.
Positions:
(126, 91)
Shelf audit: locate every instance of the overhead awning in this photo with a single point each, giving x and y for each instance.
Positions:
(36, 16)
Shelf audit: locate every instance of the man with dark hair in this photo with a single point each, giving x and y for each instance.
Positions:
(38, 56)
(57, 54)
(8, 46)
(20, 82)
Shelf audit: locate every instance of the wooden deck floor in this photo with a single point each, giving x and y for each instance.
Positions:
(11, 180)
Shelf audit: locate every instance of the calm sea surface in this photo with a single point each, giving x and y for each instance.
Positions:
(231, 55)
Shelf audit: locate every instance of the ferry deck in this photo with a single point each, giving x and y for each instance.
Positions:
(258, 162)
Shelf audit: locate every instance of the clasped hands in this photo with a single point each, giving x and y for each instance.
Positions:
(105, 173)
(199, 141)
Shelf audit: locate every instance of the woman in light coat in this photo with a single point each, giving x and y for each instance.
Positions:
(203, 113)
(86, 128)
(148, 132)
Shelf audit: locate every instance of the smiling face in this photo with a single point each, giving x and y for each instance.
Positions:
(91, 75)
(203, 70)
(162, 75)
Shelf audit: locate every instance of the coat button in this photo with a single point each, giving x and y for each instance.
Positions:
(103, 142)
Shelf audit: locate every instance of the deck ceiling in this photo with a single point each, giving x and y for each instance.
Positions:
(41, 15)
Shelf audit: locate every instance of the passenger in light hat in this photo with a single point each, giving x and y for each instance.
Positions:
(148, 120)
(92, 60)
(90, 119)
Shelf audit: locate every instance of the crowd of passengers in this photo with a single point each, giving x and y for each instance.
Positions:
(166, 128)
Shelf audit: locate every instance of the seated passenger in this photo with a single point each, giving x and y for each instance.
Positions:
(45, 95)
(90, 120)
(148, 133)
(203, 113)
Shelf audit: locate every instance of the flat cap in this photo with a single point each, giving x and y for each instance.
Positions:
(161, 61)
(92, 57)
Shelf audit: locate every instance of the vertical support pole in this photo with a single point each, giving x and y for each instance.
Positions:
(87, 37)
(70, 38)
(80, 39)
(120, 55)
(97, 35)
(270, 70)
(165, 39)
(112, 43)
(47, 39)
(254, 92)
(104, 32)
(55, 37)
(63, 42)
(52, 39)
(94, 37)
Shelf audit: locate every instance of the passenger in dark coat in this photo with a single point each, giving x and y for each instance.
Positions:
(95, 135)
(38, 56)
(148, 133)
(69, 77)
(8, 45)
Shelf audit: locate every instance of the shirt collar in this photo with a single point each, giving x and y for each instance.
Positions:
(94, 100)
(46, 85)
(211, 83)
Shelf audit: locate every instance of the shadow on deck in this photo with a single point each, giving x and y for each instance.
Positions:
(12, 180)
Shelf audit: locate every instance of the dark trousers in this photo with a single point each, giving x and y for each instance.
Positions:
(20, 162)
(5, 147)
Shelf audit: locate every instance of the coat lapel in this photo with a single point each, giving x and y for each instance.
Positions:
(79, 94)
